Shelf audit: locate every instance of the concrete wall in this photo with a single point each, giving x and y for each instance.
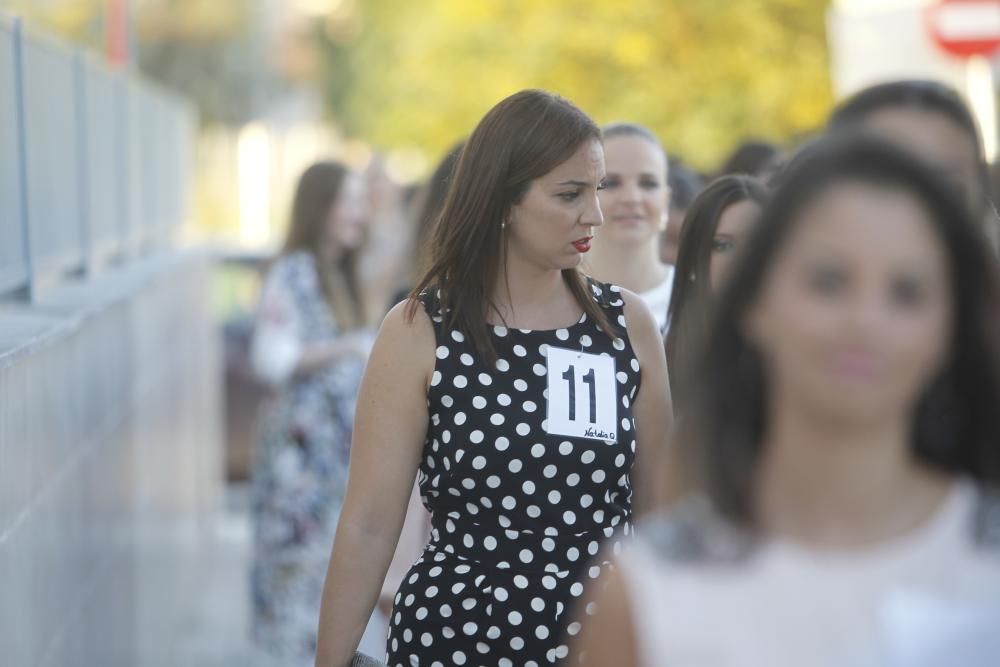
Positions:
(110, 463)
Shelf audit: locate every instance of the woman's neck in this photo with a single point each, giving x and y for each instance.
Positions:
(528, 297)
(840, 488)
(637, 269)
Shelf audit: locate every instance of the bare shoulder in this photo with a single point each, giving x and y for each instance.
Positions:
(638, 318)
(405, 339)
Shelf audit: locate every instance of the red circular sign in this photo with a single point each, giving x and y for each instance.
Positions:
(965, 28)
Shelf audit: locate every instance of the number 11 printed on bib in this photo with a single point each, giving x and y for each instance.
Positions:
(583, 397)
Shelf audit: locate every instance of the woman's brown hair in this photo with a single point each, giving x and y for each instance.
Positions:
(318, 190)
(519, 140)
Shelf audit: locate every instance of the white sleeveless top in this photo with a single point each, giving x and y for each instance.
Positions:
(658, 299)
(930, 598)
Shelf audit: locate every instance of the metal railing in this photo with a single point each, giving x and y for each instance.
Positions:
(94, 162)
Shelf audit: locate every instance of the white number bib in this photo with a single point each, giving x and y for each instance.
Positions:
(583, 397)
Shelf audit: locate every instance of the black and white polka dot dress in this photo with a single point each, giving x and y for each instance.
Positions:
(526, 473)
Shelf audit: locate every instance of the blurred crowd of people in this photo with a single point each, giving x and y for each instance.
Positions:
(572, 402)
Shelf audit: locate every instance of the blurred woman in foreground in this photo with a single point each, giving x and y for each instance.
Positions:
(844, 437)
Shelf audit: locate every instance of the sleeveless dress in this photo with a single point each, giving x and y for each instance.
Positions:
(519, 509)
(703, 594)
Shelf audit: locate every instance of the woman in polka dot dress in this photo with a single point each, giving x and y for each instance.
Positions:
(509, 385)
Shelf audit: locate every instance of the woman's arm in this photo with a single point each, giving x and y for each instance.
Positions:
(652, 409)
(389, 430)
(608, 637)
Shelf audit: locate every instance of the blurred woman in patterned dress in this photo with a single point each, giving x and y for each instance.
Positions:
(310, 344)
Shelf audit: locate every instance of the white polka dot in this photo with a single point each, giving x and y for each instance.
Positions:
(409, 599)
(422, 613)
(459, 418)
(431, 591)
(509, 503)
(503, 365)
(447, 401)
(496, 419)
(523, 429)
(436, 378)
(534, 511)
(520, 385)
(565, 447)
(576, 590)
(476, 437)
(458, 658)
(549, 582)
(490, 542)
(468, 484)
(457, 337)
(500, 331)
(538, 450)
(598, 476)
(526, 556)
(599, 516)
(569, 517)
(460, 381)
(493, 632)
(550, 471)
(622, 377)
(467, 359)
(520, 351)
(445, 611)
(619, 460)
(479, 462)
(517, 643)
(554, 497)
(426, 639)
(505, 662)
(539, 369)
(588, 456)
(493, 481)
(485, 379)
(528, 487)
(515, 465)
(593, 548)
(529, 406)
(447, 632)
(521, 581)
(594, 572)
(573, 629)
(573, 554)
(542, 632)
(479, 402)
(470, 628)
(502, 444)
(503, 399)
(625, 424)
(635, 365)
(619, 344)
(548, 544)
(586, 500)
(586, 341)
(514, 618)
(442, 352)
(573, 479)
(562, 334)
(446, 436)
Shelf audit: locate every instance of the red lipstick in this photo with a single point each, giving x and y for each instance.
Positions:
(583, 245)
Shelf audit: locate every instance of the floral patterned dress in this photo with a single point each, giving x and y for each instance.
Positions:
(300, 471)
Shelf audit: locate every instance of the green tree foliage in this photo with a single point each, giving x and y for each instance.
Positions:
(704, 74)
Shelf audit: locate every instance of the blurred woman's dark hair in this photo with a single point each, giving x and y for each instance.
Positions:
(956, 424)
(429, 204)
(920, 95)
(317, 191)
(522, 138)
(754, 157)
(691, 299)
(685, 183)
